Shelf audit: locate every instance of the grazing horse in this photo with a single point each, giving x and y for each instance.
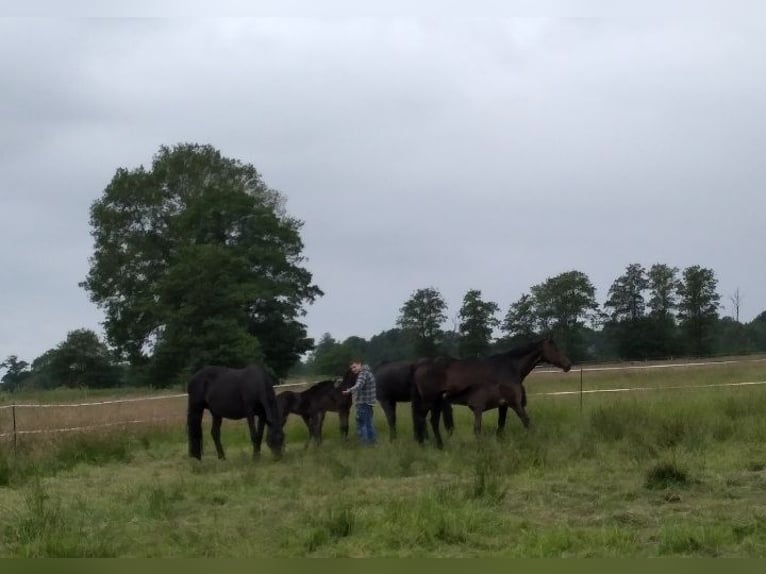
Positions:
(393, 384)
(481, 384)
(234, 394)
(312, 405)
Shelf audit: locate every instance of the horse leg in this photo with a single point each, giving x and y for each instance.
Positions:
(449, 421)
(419, 420)
(436, 411)
(194, 429)
(309, 420)
(502, 413)
(253, 435)
(319, 424)
(259, 434)
(389, 409)
(343, 416)
(216, 433)
(518, 405)
(477, 414)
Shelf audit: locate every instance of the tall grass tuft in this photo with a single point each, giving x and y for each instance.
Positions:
(665, 475)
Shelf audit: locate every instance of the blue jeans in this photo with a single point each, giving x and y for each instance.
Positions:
(364, 428)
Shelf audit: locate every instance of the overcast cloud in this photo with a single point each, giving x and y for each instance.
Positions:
(454, 153)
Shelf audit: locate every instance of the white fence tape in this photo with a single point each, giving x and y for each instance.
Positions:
(633, 389)
(119, 401)
(663, 366)
(90, 427)
(548, 394)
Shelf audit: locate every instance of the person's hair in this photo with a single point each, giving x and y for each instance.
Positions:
(356, 360)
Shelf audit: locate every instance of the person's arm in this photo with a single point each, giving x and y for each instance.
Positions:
(360, 380)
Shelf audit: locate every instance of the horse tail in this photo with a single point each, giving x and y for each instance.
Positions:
(195, 409)
(523, 396)
(271, 406)
(194, 428)
(449, 421)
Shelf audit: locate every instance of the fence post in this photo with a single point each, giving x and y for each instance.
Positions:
(13, 414)
(580, 390)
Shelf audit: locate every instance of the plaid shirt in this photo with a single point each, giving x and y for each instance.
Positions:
(364, 388)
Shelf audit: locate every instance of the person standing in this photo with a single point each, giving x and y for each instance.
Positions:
(364, 399)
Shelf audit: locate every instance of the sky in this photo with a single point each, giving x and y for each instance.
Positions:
(457, 153)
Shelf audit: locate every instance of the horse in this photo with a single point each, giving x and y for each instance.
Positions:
(393, 384)
(234, 394)
(481, 384)
(312, 405)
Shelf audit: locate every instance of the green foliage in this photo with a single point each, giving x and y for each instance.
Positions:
(195, 261)
(664, 475)
(698, 308)
(477, 321)
(563, 305)
(81, 360)
(625, 296)
(422, 316)
(521, 321)
(663, 288)
(16, 372)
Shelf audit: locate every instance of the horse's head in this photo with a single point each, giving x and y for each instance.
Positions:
(347, 381)
(287, 401)
(553, 355)
(275, 439)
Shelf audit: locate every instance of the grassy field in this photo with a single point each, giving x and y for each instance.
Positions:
(664, 473)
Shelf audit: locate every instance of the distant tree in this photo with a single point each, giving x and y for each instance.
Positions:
(736, 303)
(389, 345)
(333, 362)
(521, 321)
(628, 324)
(756, 332)
(81, 360)
(625, 296)
(663, 289)
(16, 372)
(698, 308)
(477, 322)
(422, 316)
(662, 337)
(564, 304)
(358, 346)
(196, 261)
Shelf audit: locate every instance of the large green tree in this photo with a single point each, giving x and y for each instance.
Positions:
(477, 321)
(81, 360)
(698, 308)
(626, 295)
(196, 261)
(422, 316)
(16, 371)
(521, 322)
(661, 337)
(564, 304)
(628, 325)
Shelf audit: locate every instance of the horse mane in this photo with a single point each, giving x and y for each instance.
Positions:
(523, 350)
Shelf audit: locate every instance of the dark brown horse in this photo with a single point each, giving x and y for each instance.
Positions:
(234, 394)
(393, 384)
(481, 384)
(312, 405)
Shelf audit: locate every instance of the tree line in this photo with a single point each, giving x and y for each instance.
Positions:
(654, 313)
(196, 261)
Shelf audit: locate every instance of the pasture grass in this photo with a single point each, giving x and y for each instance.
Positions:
(671, 473)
